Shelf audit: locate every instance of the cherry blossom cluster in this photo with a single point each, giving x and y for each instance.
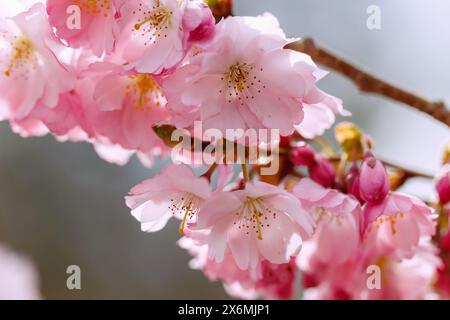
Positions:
(123, 75)
(332, 224)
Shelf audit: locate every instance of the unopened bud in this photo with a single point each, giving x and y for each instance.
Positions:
(373, 180)
(443, 189)
(444, 244)
(352, 183)
(200, 22)
(303, 156)
(323, 172)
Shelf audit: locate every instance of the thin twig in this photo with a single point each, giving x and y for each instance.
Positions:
(369, 83)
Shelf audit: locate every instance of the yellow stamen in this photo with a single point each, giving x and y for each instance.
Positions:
(183, 222)
(237, 76)
(162, 16)
(23, 50)
(137, 26)
(256, 214)
(143, 86)
(95, 7)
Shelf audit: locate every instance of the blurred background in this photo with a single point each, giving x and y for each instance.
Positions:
(61, 205)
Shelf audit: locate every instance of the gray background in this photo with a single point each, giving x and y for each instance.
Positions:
(61, 205)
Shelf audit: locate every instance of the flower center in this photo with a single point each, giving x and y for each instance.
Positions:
(186, 206)
(94, 7)
(242, 82)
(321, 215)
(392, 220)
(154, 22)
(144, 91)
(253, 216)
(237, 76)
(22, 53)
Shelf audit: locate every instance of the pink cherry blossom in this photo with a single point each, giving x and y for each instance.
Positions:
(18, 277)
(270, 281)
(96, 23)
(150, 36)
(329, 280)
(338, 219)
(394, 226)
(62, 120)
(123, 109)
(276, 282)
(13, 8)
(257, 83)
(28, 65)
(408, 279)
(176, 192)
(112, 153)
(199, 21)
(261, 222)
(226, 271)
(319, 117)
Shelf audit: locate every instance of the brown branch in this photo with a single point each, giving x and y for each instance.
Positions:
(369, 83)
(193, 144)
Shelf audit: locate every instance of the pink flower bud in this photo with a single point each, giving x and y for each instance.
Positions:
(443, 189)
(323, 173)
(303, 156)
(445, 243)
(285, 141)
(352, 183)
(200, 21)
(373, 181)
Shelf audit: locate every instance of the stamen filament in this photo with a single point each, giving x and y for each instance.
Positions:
(256, 215)
(137, 26)
(183, 222)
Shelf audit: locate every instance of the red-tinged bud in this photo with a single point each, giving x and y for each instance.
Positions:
(285, 141)
(443, 189)
(303, 156)
(352, 183)
(323, 172)
(444, 245)
(374, 182)
(309, 281)
(200, 21)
